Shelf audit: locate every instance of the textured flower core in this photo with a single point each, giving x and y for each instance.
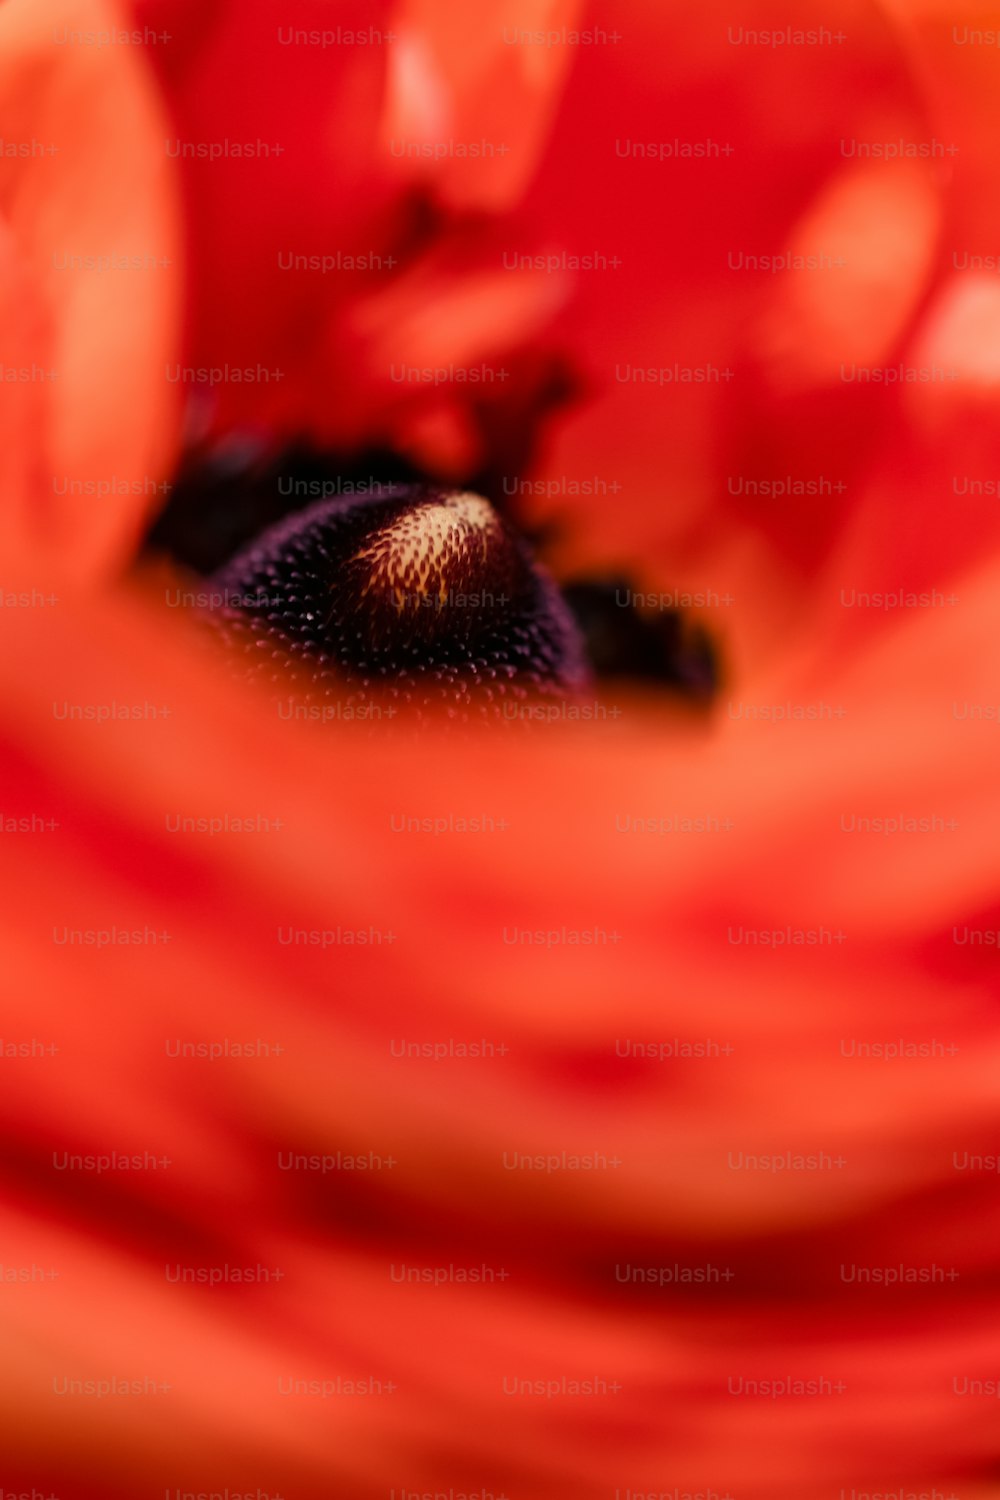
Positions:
(426, 593)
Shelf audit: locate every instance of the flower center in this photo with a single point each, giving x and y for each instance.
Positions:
(426, 592)
(424, 552)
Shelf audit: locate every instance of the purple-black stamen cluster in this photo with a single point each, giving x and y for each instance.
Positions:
(425, 595)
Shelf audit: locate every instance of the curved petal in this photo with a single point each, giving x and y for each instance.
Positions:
(87, 201)
(451, 117)
(733, 911)
(706, 366)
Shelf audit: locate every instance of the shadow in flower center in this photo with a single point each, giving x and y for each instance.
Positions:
(366, 574)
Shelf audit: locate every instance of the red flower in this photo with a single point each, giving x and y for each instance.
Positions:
(605, 1108)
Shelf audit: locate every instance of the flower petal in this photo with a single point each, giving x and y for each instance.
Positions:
(89, 209)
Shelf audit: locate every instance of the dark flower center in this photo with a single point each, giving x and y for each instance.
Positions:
(427, 594)
(401, 584)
